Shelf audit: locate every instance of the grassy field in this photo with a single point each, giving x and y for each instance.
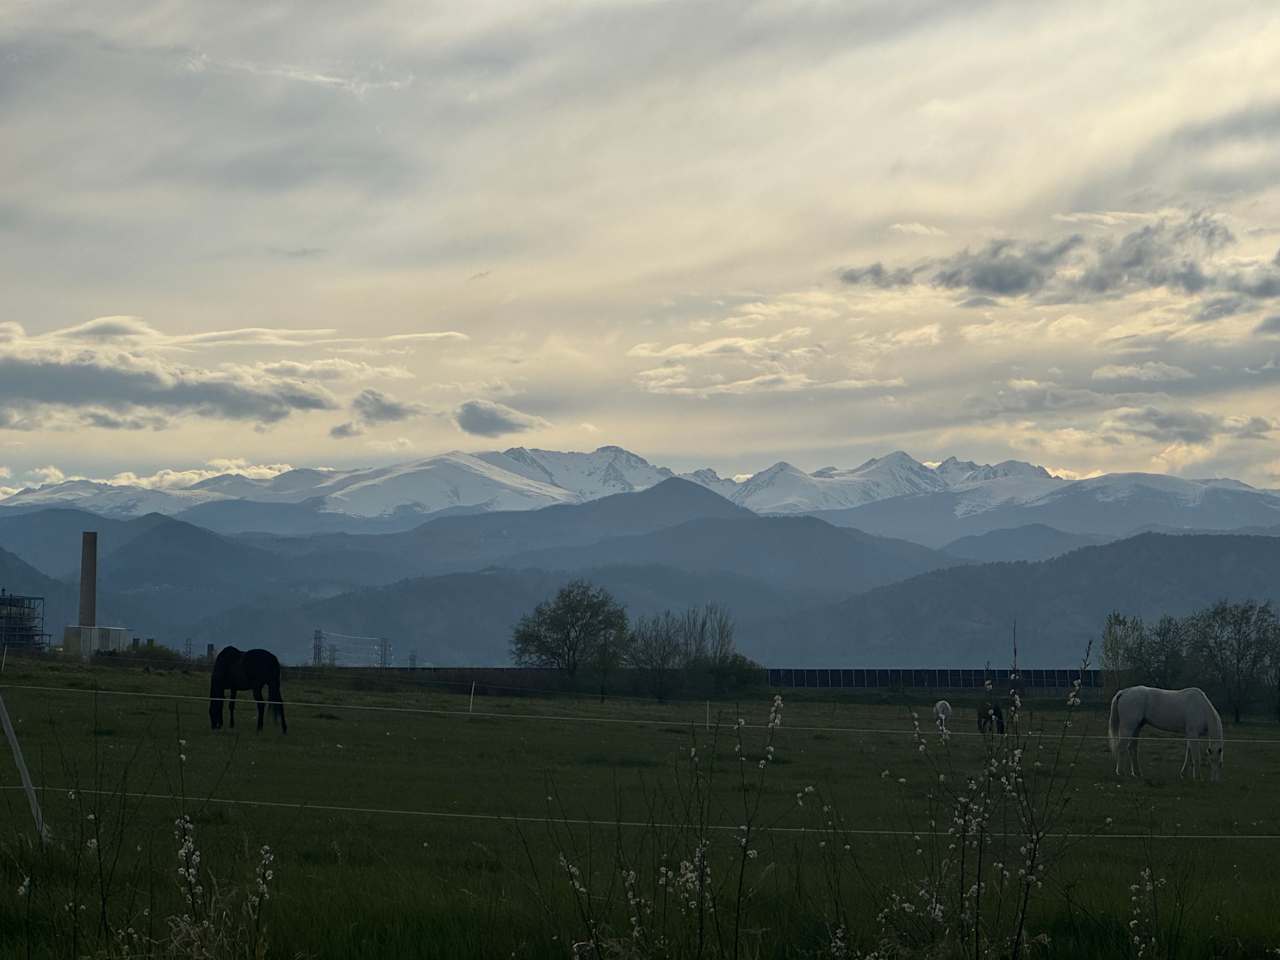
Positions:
(428, 831)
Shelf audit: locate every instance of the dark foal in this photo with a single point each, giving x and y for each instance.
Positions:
(250, 670)
(990, 714)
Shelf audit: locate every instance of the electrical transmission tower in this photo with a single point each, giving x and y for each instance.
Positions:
(317, 648)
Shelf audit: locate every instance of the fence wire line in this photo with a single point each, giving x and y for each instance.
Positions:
(632, 824)
(410, 675)
(927, 728)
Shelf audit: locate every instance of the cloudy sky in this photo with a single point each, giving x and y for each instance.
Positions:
(717, 233)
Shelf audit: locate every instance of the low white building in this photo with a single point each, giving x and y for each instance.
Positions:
(84, 642)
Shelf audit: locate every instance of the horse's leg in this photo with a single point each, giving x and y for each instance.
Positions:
(262, 706)
(1186, 758)
(232, 708)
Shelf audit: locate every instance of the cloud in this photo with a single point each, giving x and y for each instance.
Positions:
(484, 418)
(877, 276)
(1004, 267)
(105, 420)
(1269, 326)
(1185, 426)
(373, 406)
(1152, 371)
(917, 230)
(1180, 254)
(1219, 308)
(346, 430)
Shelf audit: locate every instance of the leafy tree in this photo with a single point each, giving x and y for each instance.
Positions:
(582, 625)
(1232, 642)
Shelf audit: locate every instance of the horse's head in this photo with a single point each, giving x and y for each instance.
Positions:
(1215, 761)
(215, 714)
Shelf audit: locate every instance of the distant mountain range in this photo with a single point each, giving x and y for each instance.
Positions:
(805, 591)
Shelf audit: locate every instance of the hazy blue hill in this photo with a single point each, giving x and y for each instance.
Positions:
(805, 556)
(293, 519)
(49, 538)
(963, 616)
(61, 600)
(1033, 541)
(467, 618)
(470, 542)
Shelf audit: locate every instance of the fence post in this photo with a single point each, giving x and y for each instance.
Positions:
(12, 737)
(708, 714)
(471, 704)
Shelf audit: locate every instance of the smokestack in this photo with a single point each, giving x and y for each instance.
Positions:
(89, 579)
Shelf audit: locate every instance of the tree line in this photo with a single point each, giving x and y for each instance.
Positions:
(1231, 649)
(584, 632)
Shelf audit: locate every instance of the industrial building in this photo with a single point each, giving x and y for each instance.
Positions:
(86, 638)
(22, 621)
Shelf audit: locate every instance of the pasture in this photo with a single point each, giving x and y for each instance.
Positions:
(401, 825)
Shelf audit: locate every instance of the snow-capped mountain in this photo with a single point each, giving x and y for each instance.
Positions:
(109, 499)
(894, 495)
(783, 488)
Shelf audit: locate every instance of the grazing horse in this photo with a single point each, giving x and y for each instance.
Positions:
(1187, 712)
(989, 713)
(251, 670)
(941, 714)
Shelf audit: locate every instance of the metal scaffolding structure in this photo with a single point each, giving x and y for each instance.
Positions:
(22, 621)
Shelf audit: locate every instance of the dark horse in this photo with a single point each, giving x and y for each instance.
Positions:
(252, 670)
(989, 713)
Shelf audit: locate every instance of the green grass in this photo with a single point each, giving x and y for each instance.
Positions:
(406, 884)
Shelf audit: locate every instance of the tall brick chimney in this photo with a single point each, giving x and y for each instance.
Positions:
(89, 579)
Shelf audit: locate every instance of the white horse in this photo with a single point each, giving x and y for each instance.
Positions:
(941, 714)
(1187, 712)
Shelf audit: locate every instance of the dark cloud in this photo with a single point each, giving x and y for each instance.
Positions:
(1174, 254)
(124, 383)
(110, 421)
(373, 406)
(1219, 308)
(1159, 254)
(877, 276)
(1005, 267)
(973, 303)
(1271, 325)
(484, 418)
(1186, 426)
(345, 430)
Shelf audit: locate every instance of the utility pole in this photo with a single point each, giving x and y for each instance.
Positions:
(317, 648)
(384, 653)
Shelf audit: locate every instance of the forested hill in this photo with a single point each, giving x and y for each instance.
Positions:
(964, 616)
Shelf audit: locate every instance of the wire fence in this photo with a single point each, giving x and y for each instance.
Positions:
(604, 823)
(927, 725)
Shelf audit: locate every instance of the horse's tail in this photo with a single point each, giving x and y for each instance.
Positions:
(1113, 727)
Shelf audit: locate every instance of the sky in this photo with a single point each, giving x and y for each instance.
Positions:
(716, 232)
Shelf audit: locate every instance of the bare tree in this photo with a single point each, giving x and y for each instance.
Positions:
(1119, 636)
(656, 650)
(582, 625)
(721, 650)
